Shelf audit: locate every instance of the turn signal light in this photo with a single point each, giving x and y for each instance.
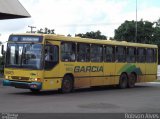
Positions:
(38, 79)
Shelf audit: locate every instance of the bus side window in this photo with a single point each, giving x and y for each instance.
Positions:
(68, 50)
(131, 54)
(150, 55)
(51, 56)
(83, 52)
(141, 55)
(96, 53)
(109, 55)
(120, 54)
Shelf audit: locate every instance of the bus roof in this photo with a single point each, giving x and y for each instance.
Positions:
(89, 40)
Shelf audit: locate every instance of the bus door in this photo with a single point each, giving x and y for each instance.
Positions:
(109, 65)
(51, 67)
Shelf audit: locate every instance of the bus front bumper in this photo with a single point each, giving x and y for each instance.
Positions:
(25, 85)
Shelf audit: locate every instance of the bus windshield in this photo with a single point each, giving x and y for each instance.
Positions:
(24, 55)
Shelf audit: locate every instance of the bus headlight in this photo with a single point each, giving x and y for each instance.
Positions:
(6, 77)
(36, 79)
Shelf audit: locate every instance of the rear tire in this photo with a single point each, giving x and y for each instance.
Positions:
(123, 81)
(67, 84)
(132, 80)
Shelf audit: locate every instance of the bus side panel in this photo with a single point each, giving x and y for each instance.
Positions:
(96, 74)
(109, 73)
(82, 75)
(51, 84)
(141, 77)
(128, 68)
(52, 78)
(151, 72)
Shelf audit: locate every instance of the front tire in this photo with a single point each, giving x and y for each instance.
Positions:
(67, 84)
(123, 81)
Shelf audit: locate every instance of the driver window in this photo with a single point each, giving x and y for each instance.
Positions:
(48, 53)
(51, 56)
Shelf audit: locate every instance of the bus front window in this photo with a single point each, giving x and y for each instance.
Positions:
(24, 56)
(32, 56)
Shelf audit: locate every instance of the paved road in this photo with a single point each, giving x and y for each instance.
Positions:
(142, 98)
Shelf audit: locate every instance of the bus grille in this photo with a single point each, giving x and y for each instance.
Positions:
(20, 78)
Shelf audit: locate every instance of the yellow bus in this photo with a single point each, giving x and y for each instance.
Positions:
(55, 62)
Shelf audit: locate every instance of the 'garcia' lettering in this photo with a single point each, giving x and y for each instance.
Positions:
(88, 69)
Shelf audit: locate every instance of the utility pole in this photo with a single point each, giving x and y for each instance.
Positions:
(136, 24)
(32, 27)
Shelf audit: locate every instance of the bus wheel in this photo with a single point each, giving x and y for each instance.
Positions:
(123, 81)
(35, 90)
(67, 84)
(132, 80)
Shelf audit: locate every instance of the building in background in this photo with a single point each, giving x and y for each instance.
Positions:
(12, 9)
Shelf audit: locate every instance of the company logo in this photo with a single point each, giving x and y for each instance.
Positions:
(33, 74)
(88, 69)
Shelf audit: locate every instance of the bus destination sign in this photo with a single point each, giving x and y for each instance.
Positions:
(17, 38)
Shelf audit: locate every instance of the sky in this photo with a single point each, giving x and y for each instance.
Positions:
(80, 16)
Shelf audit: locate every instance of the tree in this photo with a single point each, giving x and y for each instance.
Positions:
(93, 35)
(156, 32)
(111, 38)
(158, 23)
(69, 35)
(126, 31)
(46, 31)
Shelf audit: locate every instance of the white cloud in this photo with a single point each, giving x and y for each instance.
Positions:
(78, 16)
(64, 15)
